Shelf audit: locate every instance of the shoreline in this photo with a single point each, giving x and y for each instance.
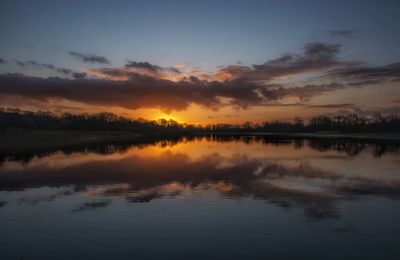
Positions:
(376, 136)
(20, 140)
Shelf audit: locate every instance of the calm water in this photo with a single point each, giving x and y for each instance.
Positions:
(203, 198)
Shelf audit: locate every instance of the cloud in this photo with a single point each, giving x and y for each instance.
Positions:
(138, 91)
(316, 56)
(28, 64)
(141, 91)
(90, 58)
(111, 73)
(151, 69)
(368, 75)
(38, 65)
(133, 68)
(142, 65)
(302, 92)
(233, 71)
(333, 106)
(343, 33)
(2, 61)
(144, 85)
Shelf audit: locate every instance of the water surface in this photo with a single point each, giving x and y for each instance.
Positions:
(214, 197)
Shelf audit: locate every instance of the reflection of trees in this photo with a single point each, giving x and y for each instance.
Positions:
(298, 144)
(353, 147)
(349, 146)
(98, 148)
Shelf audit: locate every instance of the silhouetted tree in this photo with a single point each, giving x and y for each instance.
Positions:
(15, 118)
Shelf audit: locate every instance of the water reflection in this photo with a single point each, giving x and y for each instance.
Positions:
(228, 197)
(313, 174)
(349, 146)
(92, 205)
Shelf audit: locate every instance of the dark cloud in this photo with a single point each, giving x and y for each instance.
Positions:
(145, 85)
(79, 75)
(173, 70)
(343, 33)
(142, 65)
(2, 61)
(143, 91)
(90, 58)
(233, 71)
(333, 106)
(318, 51)
(150, 67)
(112, 72)
(38, 65)
(303, 92)
(133, 68)
(368, 75)
(28, 64)
(316, 56)
(138, 91)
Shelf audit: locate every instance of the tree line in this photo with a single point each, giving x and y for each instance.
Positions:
(104, 121)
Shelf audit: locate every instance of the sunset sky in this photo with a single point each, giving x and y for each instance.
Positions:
(201, 62)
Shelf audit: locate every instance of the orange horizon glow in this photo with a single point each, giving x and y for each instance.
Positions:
(195, 114)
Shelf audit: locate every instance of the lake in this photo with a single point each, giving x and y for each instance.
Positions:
(205, 197)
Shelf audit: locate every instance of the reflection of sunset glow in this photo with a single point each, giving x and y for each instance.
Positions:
(278, 172)
(227, 155)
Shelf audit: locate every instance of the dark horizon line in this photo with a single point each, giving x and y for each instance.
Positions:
(368, 115)
(16, 118)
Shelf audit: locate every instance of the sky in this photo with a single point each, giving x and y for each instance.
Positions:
(201, 62)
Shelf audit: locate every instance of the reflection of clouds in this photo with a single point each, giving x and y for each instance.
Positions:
(92, 205)
(34, 199)
(151, 194)
(371, 186)
(146, 179)
(296, 181)
(2, 203)
(136, 195)
(345, 228)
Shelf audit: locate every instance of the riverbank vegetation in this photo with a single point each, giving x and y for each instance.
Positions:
(11, 118)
